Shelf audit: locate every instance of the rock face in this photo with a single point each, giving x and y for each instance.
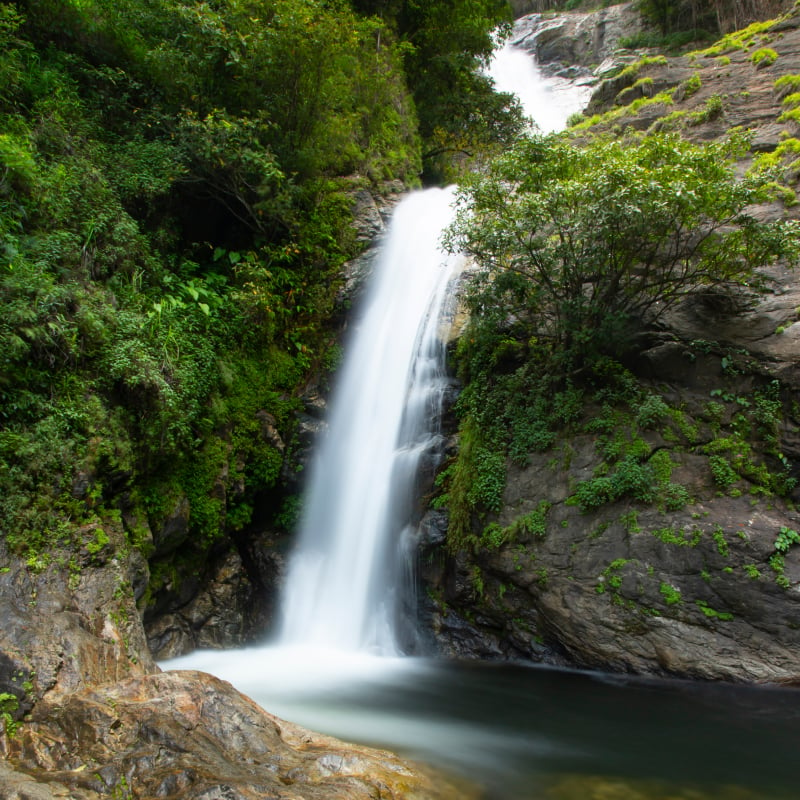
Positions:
(703, 591)
(630, 588)
(576, 43)
(70, 620)
(189, 736)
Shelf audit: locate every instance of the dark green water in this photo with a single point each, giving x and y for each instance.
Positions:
(532, 733)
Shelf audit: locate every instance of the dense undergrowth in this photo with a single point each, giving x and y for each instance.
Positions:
(175, 208)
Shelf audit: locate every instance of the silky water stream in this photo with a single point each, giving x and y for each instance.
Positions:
(522, 732)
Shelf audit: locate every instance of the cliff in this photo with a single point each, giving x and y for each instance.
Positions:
(709, 588)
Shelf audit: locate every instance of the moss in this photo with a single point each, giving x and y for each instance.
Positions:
(711, 613)
(763, 57)
(718, 535)
(671, 594)
(532, 524)
(692, 85)
(787, 84)
(473, 483)
(200, 478)
(610, 580)
(738, 40)
(678, 536)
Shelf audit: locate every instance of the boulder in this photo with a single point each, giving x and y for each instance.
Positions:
(576, 39)
(171, 735)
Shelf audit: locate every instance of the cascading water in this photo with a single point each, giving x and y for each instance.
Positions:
(343, 584)
(549, 102)
(343, 581)
(518, 731)
(341, 598)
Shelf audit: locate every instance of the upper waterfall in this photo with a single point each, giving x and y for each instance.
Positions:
(344, 579)
(548, 101)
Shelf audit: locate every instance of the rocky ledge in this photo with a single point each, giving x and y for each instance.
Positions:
(85, 713)
(189, 736)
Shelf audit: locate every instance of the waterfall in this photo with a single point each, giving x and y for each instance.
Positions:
(549, 102)
(342, 586)
(344, 580)
(342, 594)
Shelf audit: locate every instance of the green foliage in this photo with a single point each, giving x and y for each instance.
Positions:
(692, 85)
(679, 536)
(444, 46)
(677, 15)
(474, 483)
(9, 705)
(763, 57)
(741, 38)
(651, 411)
(594, 238)
(786, 538)
(723, 616)
(784, 541)
(630, 479)
(530, 525)
(641, 481)
(718, 535)
(669, 42)
(723, 472)
(176, 186)
(671, 594)
(610, 580)
(787, 85)
(752, 571)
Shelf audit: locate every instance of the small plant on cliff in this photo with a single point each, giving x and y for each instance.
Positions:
(786, 538)
(671, 594)
(9, 704)
(712, 613)
(763, 57)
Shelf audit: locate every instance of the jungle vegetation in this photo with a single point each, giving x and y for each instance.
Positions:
(581, 247)
(175, 208)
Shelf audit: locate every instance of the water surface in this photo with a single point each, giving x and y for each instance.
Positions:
(522, 731)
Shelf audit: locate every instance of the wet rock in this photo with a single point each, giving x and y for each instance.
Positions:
(174, 528)
(211, 613)
(269, 430)
(171, 735)
(65, 624)
(366, 216)
(577, 39)
(432, 530)
(628, 587)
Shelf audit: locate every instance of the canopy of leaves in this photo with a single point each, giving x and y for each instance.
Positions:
(581, 246)
(444, 44)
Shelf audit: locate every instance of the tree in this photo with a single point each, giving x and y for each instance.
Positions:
(718, 15)
(444, 45)
(582, 246)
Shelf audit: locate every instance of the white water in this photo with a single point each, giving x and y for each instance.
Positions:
(549, 102)
(344, 582)
(344, 579)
